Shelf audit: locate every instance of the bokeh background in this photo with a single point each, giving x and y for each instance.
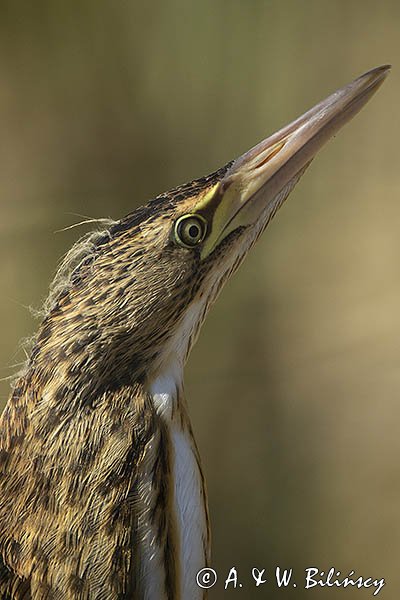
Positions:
(294, 383)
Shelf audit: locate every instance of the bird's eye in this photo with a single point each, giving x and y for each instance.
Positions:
(190, 230)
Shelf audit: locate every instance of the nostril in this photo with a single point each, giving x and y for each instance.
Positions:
(273, 152)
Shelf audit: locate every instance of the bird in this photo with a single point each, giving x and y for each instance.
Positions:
(102, 492)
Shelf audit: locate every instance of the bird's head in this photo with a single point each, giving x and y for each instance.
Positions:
(139, 294)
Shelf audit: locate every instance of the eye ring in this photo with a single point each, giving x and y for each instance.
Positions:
(190, 230)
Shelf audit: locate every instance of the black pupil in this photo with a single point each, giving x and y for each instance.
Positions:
(193, 231)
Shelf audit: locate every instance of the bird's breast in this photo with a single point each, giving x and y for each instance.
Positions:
(172, 481)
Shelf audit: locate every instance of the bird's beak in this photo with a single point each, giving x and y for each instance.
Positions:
(255, 181)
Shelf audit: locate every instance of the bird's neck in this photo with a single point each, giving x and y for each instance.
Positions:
(120, 425)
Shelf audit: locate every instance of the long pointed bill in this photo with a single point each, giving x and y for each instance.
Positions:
(255, 181)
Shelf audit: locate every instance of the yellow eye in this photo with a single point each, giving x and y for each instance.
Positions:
(190, 230)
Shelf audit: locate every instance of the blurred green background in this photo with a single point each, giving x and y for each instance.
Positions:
(294, 383)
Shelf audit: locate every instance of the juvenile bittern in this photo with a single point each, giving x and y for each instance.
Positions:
(102, 495)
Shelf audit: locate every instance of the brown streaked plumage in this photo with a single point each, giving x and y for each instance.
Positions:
(102, 495)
